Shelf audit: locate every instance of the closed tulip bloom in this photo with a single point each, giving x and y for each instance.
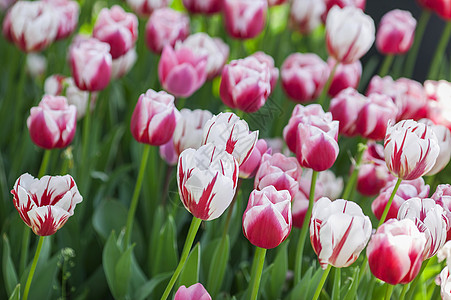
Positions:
(267, 59)
(305, 15)
(68, 12)
(279, 171)
(35, 65)
(117, 28)
(228, 132)
(45, 204)
(181, 71)
(440, 7)
(145, 8)
(194, 292)
(245, 19)
(303, 76)
(153, 120)
(345, 76)
(442, 197)
(52, 124)
(267, 218)
(206, 179)
(374, 116)
(349, 34)
(395, 251)
(439, 106)
(339, 231)
(189, 129)
(360, 4)
(168, 154)
(411, 149)
(430, 218)
(249, 168)
(276, 2)
(396, 31)
(165, 27)
(245, 84)
(207, 7)
(123, 64)
(91, 64)
(444, 280)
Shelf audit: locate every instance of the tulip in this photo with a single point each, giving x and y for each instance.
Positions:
(52, 124)
(244, 19)
(207, 7)
(407, 189)
(267, 59)
(189, 129)
(165, 27)
(442, 197)
(440, 7)
(45, 204)
(445, 284)
(396, 31)
(181, 71)
(267, 218)
(117, 28)
(207, 180)
(249, 168)
(349, 34)
(194, 292)
(245, 84)
(305, 15)
(332, 186)
(339, 231)
(146, 8)
(276, 2)
(36, 64)
(410, 149)
(68, 12)
(345, 108)
(430, 218)
(360, 4)
(153, 120)
(123, 64)
(395, 252)
(90, 63)
(5, 4)
(345, 76)
(168, 154)
(300, 201)
(214, 49)
(231, 134)
(439, 93)
(445, 253)
(303, 76)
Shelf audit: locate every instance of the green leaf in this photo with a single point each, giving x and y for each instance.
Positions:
(279, 271)
(145, 290)
(102, 219)
(111, 254)
(16, 293)
(157, 224)
(352, 290)
(307, 286)
(9, 271)
(44, 277)
(123, 273)
(166, 257)
(190, 272)
(218, 266)
(337, 284)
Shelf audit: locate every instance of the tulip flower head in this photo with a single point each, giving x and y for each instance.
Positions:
(123, 64)
(146, 8)
(444, 280)
(439, 106)
(194, 292)
(207, 7)
(345, 76)
(442, 197)
(249, 168)
(68, 12)
(244, 19)
(444, 141)
(396, 31)
(267, 59)
(305, 15)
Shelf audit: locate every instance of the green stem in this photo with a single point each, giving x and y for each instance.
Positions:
(85, 137)
(44, 163)
(337, 284)
(321, 283)
(135, 197)
(33, 268)
(304, 230)
(257, 271)
(388, 60)
(24, 250)
(438, 56)
(414, 283)
(387, 207)
(351, 182)
(186, 248)
(404, 291)
(419, 32)
(388, 291)
(326, 87)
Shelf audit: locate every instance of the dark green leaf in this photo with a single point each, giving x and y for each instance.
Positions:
(190, 272)
(166, 257)
(123, 273)
(279, 271)
(218, 266)
(9, 271)
(145, 290)
(16, 293)
(103, 221)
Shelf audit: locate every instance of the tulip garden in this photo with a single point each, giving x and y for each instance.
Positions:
(224, 149)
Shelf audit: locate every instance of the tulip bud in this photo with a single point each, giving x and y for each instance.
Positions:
(52, 124)
(123, 64)
(396, 31)
(395, 251)
(45, 204)
(245, 19)
(153, 120)
(345, 76)
(345, 108)
(267, 218)
(411, 149)
(305, 15)
(245, 84)
(194, 292)
(165, 27)
(146, 8)
(267, 59)
(207, 180)
(439, 93)
(68, 12)
(249, 168)
(207, 7)
(181, 71)
(231, 134)
(349, 34)
(339, 231)
(303, 76)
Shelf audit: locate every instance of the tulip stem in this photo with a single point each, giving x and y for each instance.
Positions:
(404, 291)
(387, 206)
(388, 291)
(326, 87)
(85, 141)
(259, 261)
(322, 281)
(419, 32)
(388, 60)
(33, 268)
(351, 182)
(438, 56)
(135, 197)
(195, 223)
(305, 225)
(24, 250)
(44, 163)
(414, 283)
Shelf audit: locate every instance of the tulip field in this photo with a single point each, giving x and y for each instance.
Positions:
(225, 149)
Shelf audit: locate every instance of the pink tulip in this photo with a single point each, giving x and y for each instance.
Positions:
(249, 168)
(345, 76)
(305, 15)
(153, 120)
(123, 64)
(91, 64)
(45, 204)
(207, 180)
(52, 124)
(303, 76)
(194, 292)
(345, 108)
(244, 19)
(440, 7)
(442, 197)
(396, 31)
(206, 7)
(35, 65)
(395, 251)
(276, 2)
(5, 4)
(267, 218)
(181, 72)
(168, 154)
(245, 84)
(411, 149)
(438, 94)
(165, 27)
(267, 59)
(339, 231)
(146, 8)
(68, 12)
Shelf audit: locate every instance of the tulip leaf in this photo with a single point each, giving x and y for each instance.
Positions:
(352, 289)
(16, 293)
(190, 272)
(103, 222)
(166, 257)
(111, 255)
(279, 272)
(337, 284)
(123, 272)
(145, 290)
(157, 224)
(218, 266)
(307, 286)
(8, 269)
